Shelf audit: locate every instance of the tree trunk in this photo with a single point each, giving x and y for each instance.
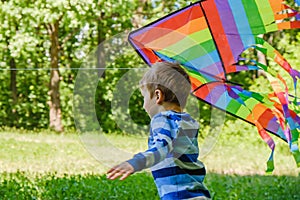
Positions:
(14, 93)
(54, 104)
(13, 80)
(138, 17)
(100, 49)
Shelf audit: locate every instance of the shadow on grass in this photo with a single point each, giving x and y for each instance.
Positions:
(21, 185)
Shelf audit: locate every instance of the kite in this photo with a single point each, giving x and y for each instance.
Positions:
(207, 38)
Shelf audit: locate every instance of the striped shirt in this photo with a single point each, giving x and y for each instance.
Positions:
(172, 156)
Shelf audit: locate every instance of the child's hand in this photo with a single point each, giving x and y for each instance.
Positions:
(124, 170)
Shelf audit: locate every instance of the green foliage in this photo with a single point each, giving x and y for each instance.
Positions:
(31, 108)
(120, 102)
(83, 25)
(25, 38)
(51, 186)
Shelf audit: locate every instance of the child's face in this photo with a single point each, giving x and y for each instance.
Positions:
(150, 104)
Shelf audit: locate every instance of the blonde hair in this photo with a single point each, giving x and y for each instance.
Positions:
(171, 79)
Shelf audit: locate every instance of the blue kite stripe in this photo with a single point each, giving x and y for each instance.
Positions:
(241, 21)
(229, 26)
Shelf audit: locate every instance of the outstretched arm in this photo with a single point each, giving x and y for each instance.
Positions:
(160, 145)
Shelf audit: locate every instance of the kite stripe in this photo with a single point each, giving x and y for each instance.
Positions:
(216, 28)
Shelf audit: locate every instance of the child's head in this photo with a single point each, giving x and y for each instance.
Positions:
(170, 79)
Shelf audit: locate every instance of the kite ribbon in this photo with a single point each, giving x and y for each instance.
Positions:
(266, 137)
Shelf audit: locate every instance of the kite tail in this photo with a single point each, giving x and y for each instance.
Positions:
(292, 121)
(283, 14)
(267, 138)
(287, 118)
(271, 52)
(262, 132)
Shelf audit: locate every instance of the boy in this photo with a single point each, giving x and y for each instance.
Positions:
(172, 146)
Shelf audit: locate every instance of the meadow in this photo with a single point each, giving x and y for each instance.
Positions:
(46, 165)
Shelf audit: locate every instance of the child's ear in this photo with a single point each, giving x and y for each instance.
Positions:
(159, 96)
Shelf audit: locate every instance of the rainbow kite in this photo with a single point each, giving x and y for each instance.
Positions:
(208, 38)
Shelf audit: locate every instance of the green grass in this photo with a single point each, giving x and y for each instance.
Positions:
(45, 152)
(253, 187)
(22, 185)
(46, 165)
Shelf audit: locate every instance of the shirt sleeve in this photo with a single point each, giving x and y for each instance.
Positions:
(160, 144)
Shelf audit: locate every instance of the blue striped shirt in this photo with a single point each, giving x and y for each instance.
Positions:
(172, 156)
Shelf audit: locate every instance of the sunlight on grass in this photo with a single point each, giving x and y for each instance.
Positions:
(45, 152)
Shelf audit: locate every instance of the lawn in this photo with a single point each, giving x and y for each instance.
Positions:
(45, 165)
